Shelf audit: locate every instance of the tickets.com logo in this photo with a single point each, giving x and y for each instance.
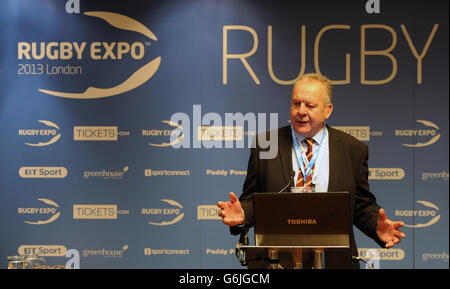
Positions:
(97, 212)
(98, 133)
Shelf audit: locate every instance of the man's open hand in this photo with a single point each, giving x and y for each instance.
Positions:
(231, 212)
(387, 230)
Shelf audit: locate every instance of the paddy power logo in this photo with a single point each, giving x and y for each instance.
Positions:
(95, 51)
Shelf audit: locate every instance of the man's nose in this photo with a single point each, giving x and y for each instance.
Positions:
(302, 109)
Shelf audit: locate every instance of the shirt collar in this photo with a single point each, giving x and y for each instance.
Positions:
(317, 137)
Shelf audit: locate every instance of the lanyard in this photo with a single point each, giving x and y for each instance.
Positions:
(299, 154)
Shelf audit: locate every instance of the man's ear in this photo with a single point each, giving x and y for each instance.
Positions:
(328, 110)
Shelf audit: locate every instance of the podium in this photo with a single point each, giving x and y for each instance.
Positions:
(300, 231)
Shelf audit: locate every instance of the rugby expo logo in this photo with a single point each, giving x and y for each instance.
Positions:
(49, 213)
(39, 136)
(426, 136)
(423, 217)
(100, 50)
(173, 133)
(166, 215)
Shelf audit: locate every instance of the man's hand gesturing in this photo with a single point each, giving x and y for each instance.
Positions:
(231, 212)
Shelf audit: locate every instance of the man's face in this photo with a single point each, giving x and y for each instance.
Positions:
(309, 111)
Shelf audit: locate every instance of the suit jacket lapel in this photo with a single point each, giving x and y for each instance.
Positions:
(285, 151)
(334, 154)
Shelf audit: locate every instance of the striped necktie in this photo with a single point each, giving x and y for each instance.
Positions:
(300, 178)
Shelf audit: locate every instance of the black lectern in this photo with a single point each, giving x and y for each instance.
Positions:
(300, 230)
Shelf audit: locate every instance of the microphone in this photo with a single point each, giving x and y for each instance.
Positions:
(291, 178)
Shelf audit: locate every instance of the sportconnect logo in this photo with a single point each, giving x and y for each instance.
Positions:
(97, 50)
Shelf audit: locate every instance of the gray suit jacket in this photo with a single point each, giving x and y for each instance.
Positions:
(348, 172)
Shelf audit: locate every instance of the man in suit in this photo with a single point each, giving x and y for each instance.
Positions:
(324, 159)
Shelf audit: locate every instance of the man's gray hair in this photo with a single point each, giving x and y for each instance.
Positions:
(323, 79)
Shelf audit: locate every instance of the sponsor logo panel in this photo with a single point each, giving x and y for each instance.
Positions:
(361, 133)
(386, 174)
(158, 173)
(105, 253)
(95, 133)
(383, 254)
(49, 213)
(39, 58)
(39, 137)
(164, 137)
(220, 133)
(159, 252)
(224, 173)
(437, 256)
(426, 135)
(427, 214)
(43, 250)
(93, 212)
(170, 212)
(428, 176)
(106, 174)
(43, 172)
(219, 252)
(208, 212)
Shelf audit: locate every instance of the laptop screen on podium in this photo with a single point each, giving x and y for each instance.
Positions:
(302, 219)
